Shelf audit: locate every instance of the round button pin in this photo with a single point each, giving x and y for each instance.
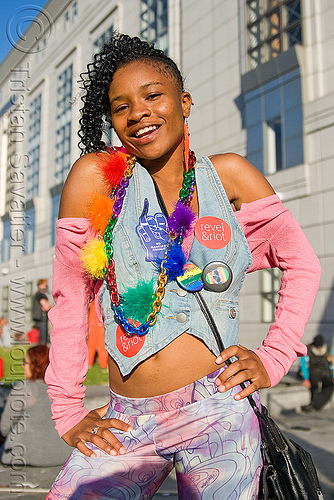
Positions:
(213, 232)
(191, 279)
(217, 276)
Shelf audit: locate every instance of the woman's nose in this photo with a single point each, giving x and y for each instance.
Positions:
(138, 111)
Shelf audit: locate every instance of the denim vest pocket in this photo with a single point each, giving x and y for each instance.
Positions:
(231, 307)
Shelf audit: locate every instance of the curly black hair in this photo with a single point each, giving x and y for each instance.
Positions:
(122, 49)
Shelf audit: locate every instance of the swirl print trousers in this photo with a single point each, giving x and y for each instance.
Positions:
(212, 440)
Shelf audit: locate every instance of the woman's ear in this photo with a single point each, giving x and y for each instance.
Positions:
(186, 103)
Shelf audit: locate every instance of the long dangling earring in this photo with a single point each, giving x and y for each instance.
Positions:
(186, 145)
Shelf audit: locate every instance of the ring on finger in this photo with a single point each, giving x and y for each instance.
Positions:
(94, 430)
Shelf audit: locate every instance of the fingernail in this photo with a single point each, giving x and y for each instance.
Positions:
(93, 454)
(222, 388)
(130, 428)
(237, 397)
(113, 452)
(217, 381)
(219, 359)
(122, 450)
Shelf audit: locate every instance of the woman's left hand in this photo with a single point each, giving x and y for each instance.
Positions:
(248, 366)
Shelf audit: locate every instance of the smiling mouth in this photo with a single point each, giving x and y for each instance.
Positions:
(145, 131)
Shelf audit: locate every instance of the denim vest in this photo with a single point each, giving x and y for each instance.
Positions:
(180, 311)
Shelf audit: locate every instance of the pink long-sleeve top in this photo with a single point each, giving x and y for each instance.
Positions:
(275, 239)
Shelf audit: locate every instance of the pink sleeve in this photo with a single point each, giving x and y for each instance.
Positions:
(276, 240)
(72, 291)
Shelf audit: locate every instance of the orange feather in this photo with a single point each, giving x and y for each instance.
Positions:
(100, 209)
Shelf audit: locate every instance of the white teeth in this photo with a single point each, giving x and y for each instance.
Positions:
(146, 130)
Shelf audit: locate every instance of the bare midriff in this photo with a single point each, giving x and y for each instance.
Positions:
(181, 362)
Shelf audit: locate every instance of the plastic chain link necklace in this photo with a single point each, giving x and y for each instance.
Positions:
(171, 266)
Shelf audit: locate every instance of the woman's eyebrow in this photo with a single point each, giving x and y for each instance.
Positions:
(149, 84)
(142, 87)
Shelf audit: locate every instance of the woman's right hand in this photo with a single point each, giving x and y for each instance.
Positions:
(102, 438)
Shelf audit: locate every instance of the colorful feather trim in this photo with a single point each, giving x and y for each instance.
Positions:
(137, 301)
(174, 262)
(113, 165)
(100, 209)
(182, 218)
(93, 258)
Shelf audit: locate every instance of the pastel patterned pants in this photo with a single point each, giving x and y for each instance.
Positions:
(212, 441)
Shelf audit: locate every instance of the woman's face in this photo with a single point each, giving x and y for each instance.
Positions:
(27, 367)
(148, 109)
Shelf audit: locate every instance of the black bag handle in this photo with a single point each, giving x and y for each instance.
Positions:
(212, 324)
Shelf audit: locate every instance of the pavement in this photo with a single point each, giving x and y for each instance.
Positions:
(314, 431)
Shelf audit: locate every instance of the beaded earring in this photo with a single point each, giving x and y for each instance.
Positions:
(186, 145)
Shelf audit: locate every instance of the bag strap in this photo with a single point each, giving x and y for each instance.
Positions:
(212, 325)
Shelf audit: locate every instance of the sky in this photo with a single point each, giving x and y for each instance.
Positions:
(16, 15)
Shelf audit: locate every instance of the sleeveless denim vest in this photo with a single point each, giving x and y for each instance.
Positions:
(180, 311)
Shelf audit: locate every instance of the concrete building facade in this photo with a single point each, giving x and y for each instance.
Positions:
(260, 72)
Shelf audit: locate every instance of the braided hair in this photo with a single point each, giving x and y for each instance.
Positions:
(121, 50)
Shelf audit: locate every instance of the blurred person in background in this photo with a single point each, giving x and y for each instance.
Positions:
(33, 335)
(317, 373)
(40, 308)
(4, 332)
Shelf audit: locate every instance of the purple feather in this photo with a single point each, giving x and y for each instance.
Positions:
(182, 217)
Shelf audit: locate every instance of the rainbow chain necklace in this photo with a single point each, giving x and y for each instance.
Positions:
(179, 224)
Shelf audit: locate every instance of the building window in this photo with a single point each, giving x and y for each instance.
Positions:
(40, 50)
(101, 40)
(154, 22)
(12, 156)
(5, 301)
(270, 285)
(66, 21)
(74, 12)
(273, 146)
(273, 117)
(63, 125)
(55, 210)
(34, 147)
(5, 246)
(29, 231)
(273, 26)
(70, 16)
(97, 47)
(107, 134)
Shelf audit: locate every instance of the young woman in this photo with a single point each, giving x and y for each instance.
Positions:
(163, 234)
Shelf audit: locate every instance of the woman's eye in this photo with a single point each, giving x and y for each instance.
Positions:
(154, 95)
(120, 108)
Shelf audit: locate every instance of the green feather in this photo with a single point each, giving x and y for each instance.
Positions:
(137, 301)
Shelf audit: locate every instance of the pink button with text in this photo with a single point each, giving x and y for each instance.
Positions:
(212, 232)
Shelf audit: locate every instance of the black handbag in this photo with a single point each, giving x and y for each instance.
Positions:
(288, 472)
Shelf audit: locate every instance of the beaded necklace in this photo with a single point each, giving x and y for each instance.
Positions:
(171, 266)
